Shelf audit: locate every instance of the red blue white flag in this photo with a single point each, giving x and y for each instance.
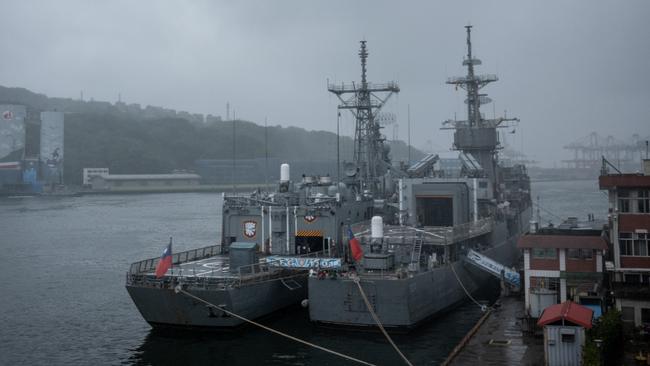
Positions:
(165, 261)
(355, 246)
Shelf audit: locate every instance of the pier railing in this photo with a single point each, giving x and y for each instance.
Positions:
(148, 265)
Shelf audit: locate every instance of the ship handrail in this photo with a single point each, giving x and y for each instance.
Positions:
(147, 265)
(261, 271)
(438, 235)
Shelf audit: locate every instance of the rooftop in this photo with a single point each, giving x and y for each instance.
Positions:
(561, 241)
(624, 181)
(567, 311)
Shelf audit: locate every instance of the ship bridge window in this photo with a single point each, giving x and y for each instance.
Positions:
(482, 184)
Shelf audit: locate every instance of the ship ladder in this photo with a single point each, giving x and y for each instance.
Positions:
(290, 284)
(414, 266)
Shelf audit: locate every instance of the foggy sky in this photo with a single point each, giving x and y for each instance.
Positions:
(566, 68)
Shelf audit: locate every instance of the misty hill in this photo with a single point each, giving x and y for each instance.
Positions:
(100, 134)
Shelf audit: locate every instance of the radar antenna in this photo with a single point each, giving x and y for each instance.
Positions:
(364, 102)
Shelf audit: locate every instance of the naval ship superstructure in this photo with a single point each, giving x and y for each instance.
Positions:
(415, 268)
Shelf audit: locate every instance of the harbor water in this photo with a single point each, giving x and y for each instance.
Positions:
(63, 263)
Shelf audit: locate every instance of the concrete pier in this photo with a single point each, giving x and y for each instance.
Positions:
(499, 340)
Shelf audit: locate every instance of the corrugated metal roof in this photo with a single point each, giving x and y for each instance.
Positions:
(567, 311)
(561, 241)
(149, 176)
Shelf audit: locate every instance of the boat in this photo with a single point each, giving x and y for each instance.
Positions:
(269, 242)
(272, 240)
(415, 266)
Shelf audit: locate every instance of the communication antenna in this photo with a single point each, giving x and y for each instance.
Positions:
(365, 101)
(408, 116)
(234, 153)
(338, 147)
(266, 153)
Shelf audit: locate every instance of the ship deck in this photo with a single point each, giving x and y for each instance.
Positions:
(213, 267)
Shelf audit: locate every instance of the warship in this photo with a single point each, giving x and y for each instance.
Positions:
(453, 228)
(270, 241)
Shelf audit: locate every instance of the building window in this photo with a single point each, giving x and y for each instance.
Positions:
(627, 313)
(623, 201)
(633, 244)
(643, 202)
(633, 278)
(544, 253)
(580, 253)
(568, 338)
(645, 315)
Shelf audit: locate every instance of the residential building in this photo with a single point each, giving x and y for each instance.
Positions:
(629, 215)
(563, 263)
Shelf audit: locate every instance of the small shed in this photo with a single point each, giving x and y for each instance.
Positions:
(564, 332)
(242, 257)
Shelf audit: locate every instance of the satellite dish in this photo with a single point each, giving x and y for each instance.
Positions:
(350, 170)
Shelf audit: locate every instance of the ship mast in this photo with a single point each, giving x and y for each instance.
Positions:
(364, 102)
(477, 136)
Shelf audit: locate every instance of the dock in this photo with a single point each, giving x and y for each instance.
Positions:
(498, 340)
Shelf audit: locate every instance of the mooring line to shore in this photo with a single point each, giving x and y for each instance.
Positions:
(483, 307)
(179, 289)
(376, 318)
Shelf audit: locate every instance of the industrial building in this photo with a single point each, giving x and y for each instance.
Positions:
(143, 182)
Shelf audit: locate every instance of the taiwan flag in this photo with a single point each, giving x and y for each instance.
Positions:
(165, 261)
(355, 247)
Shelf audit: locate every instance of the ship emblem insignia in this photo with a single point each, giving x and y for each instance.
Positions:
(250, 228)
(8, 115)
(310, 218)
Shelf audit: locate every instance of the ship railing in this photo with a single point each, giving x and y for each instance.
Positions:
(264, 271)
(149, 265)
(434, 235)
(181, 277)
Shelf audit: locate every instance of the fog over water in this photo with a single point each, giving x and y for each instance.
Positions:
(565, 68)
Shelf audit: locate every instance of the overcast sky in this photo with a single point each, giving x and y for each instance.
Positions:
(566, 68)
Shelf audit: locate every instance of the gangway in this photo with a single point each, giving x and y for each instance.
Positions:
(509, 276)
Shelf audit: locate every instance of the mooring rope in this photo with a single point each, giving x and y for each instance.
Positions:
(179, 289)
(376, 318)
(482, 306)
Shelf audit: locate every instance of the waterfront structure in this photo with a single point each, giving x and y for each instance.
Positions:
(52, 147)
(563, 263)
(629, 216)
(564, 333)
(91, 172)
(144, 182)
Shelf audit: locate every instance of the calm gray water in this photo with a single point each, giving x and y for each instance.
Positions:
(62, 299)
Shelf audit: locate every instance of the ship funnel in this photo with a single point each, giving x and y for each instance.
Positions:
(284, 173)
(376, 227)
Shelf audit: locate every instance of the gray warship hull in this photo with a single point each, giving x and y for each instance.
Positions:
(162, 307)
(252, 292)
(405, 303)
